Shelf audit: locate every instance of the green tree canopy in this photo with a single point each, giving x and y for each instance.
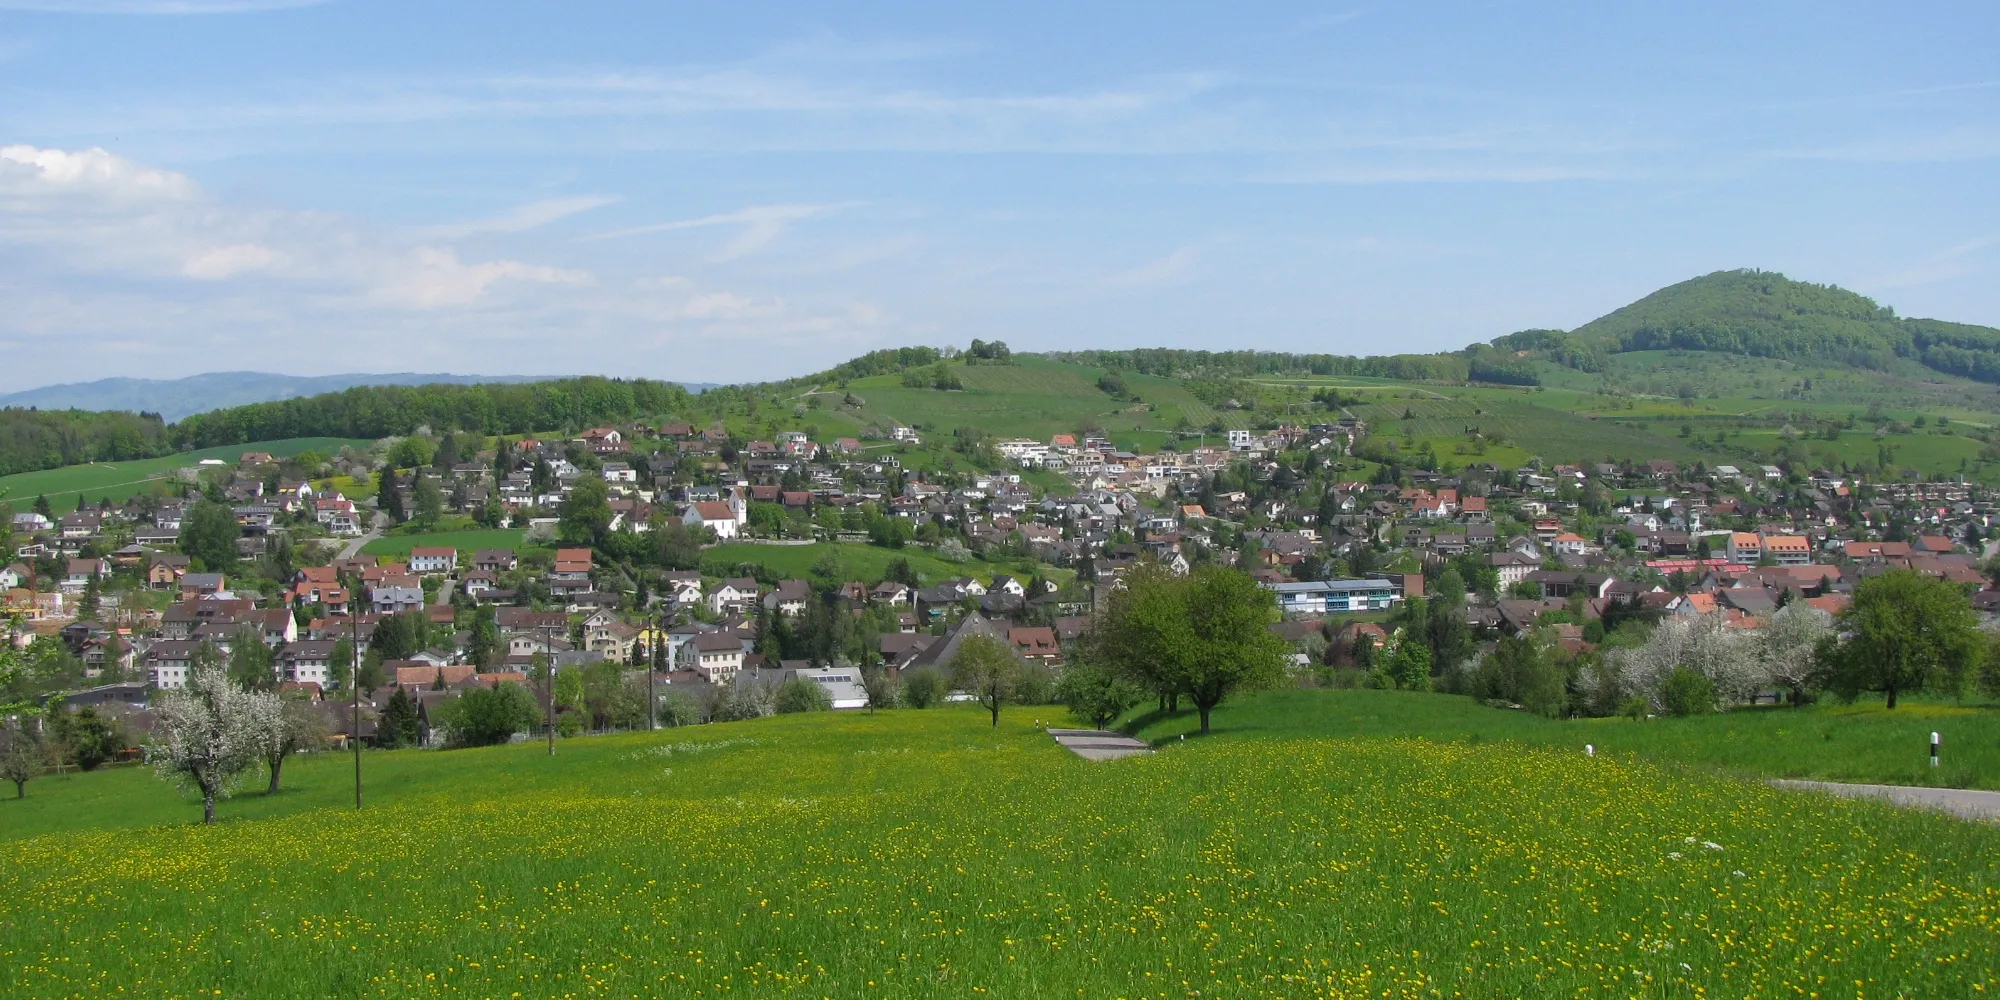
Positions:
(208, 534)
(1906, 632)
(985, 668)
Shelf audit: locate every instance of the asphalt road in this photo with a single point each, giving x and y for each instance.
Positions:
(1966, 802)
(353, 547)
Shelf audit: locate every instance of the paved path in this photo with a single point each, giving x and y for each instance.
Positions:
(1100, 744)
(353, 548)
(1969, 803)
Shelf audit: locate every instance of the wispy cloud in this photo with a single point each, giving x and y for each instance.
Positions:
(530, 216)
(1951, 262)
(1169, 268)
(155, 6)
(761, 224)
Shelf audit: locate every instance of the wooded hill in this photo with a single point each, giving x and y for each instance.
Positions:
(1765, 314)
(32, 440)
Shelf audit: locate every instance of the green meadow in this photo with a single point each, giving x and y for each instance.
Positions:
(859, 562)
(466, 542)
(925, 854)
(122, 480)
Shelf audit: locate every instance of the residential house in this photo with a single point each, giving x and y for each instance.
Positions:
(425, 560)
(789, 597)
(82, 572)
(732, 596)
(718, 656)
(1788, 550)
(1037, 644)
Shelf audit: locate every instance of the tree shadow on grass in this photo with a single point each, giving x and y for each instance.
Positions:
(1139, 723)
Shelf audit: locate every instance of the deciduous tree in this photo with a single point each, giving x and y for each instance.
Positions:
(208, 733)
(1906, 632)
(985, 668)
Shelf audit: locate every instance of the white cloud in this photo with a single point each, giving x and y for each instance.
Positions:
(761, 224)
(155, 6)
(1166, 269)
(146, 272)
(434, 278)
(26, 170)
(533, 215)
(223, 262)
(1951, 262)
(101, 213)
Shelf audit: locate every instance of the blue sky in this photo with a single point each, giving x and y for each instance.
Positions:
(729, 192)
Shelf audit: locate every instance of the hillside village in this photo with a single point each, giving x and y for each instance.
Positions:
(123, 600)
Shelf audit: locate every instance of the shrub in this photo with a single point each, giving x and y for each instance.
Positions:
(923, 687)
(798, 694)
(1687, 691)
(486, 716)
(679, 708)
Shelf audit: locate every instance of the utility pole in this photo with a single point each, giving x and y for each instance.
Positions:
(549, 681)
(354, 691)
(653, 661)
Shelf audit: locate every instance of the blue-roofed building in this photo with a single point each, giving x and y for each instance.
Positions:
(1320, 597)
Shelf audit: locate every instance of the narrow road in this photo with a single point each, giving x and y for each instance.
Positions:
(353, 548)
(1099, 744)
(1965, 802)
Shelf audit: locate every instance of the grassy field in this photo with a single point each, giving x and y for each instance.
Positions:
(120, 480)
(917, 854)
(1523, 425)
(1831, 742)
(463, 541)
(860, 562)
(1032, 398)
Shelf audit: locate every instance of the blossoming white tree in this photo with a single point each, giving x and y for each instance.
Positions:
(1731, 658)
(1790, 642)
(210, 732)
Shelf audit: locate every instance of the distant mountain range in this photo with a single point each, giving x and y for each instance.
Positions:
(173, 399)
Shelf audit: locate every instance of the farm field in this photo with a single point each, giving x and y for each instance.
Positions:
(465, 542)
(1032, 398)
(916, 854)
(1862, 742)
(1527, 429)
(858, 561)
(122, 480)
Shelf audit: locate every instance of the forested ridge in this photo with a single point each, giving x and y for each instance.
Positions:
(44, 439)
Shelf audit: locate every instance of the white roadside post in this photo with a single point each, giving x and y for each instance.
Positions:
(1934, 749)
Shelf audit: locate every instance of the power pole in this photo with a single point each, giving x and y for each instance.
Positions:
(354, 691)
(549, 679)
(652, 658)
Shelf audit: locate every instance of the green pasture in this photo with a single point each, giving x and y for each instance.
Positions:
(926, 854)
(1526, 428)
(1830, 742)
(465, 542)
(122, 480)
(867, 563)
